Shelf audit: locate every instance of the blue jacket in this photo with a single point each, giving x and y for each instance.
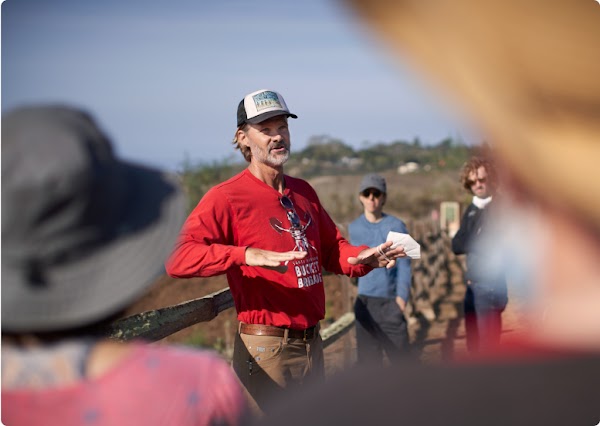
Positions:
(382, 282)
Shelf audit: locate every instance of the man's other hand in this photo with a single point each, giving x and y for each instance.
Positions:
(378, 257)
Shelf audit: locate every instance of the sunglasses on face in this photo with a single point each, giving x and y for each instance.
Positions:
(473, 182)
(367, 193)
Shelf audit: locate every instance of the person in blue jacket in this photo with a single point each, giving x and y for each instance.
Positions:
(382, 294)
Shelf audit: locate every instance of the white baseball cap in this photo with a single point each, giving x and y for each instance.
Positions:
(261, 105)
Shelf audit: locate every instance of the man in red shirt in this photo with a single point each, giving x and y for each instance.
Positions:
(270, 234)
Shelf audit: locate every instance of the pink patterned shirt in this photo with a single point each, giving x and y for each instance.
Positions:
(153, 385)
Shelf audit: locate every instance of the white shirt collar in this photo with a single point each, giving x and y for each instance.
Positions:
(481, 202)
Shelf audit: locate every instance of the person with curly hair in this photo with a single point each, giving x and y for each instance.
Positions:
(486, 292)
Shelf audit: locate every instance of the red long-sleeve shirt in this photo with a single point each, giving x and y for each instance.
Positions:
(245, 212)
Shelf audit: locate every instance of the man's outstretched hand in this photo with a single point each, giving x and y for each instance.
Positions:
(378, 257)
(274, 260)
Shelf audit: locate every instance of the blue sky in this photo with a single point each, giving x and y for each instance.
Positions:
(163, 79)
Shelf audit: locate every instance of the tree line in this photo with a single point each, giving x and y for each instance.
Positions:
(324, 156)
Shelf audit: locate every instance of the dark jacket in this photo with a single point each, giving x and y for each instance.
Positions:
(480, 271)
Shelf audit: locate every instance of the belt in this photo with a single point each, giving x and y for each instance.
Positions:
(270, 330)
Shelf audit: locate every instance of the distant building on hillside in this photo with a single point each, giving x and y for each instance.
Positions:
(408, 167)
(351, 161)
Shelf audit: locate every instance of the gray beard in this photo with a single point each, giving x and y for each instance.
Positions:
(271, 160)
(279, 160)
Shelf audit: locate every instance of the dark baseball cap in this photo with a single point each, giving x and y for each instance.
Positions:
(373, 181)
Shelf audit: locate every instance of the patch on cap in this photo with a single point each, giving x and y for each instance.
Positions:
(265, 100)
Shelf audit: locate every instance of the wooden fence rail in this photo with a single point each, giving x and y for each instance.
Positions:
(429, 285)
(160, 323)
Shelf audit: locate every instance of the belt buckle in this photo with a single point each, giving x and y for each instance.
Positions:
(305, 334)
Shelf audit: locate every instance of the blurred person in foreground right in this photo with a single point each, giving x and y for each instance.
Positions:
(528, 73)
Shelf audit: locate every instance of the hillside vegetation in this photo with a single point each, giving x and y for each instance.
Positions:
(335, 169)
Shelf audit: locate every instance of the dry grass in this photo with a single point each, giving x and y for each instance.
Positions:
(410, 197)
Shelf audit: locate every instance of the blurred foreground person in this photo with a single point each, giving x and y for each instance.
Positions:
(528, 72)
(486, 292)
(83, 236)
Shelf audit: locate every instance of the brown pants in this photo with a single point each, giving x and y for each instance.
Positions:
(266, 365)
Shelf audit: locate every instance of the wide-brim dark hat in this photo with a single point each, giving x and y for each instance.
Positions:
(83, 233)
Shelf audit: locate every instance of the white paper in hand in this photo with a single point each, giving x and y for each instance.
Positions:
(411, 247)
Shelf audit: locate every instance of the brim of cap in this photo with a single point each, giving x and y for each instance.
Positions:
(371, 186)
(108, 279)
(267, 115)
